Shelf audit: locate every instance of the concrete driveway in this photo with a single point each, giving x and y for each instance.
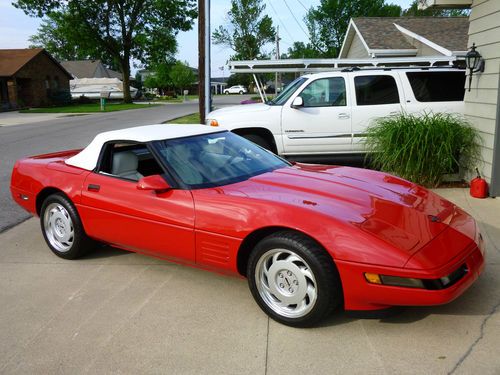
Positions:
(118, 312)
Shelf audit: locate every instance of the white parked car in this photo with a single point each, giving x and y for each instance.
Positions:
(327, 113)
(238, 89)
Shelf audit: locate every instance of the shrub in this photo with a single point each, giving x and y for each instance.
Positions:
(423, 148)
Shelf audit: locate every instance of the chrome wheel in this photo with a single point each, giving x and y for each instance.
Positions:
(58, 227)
(285, 283)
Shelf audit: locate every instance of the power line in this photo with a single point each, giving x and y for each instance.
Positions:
(296, 20)
(303, 6)
(280, 21)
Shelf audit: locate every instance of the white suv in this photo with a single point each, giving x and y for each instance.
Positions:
(327, 113)
(236, 90)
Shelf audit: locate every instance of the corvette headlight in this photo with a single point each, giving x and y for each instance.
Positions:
(406, 282)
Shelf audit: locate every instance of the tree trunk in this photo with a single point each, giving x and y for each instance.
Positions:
(126, 81)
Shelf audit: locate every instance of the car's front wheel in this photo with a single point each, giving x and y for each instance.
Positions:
(293, 279)
(241, 92)
(62, 228)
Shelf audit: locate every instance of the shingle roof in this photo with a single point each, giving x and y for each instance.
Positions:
(89, 69)
(11, 60)
(381, 33)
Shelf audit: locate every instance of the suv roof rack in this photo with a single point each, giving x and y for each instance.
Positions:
(324, 65)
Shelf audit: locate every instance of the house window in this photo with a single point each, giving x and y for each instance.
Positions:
(437, 86)
(326, 92)
(47, 82)
(55, 83)
(376, 90)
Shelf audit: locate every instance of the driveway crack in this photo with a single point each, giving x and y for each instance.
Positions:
(478, 339)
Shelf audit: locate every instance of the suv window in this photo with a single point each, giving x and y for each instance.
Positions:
(325, 92)
(437, 86)
(376, 90)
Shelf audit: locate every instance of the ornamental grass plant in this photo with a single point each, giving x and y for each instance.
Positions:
(423, 148)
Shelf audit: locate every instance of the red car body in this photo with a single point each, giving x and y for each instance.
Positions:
(368, 221)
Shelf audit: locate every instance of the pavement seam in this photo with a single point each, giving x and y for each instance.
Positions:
(267, 347)
(104, 343)
(50, 320)
(473, 345)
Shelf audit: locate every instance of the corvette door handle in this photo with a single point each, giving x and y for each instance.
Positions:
(344, 115)
(93, 187)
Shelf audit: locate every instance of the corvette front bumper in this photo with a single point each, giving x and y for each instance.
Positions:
(359, 294)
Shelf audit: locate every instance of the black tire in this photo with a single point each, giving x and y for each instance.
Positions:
(226, 92)
(241, 92)
(259, 140)
(62, 228)
(291, 259)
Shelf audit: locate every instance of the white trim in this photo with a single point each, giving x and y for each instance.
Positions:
(348, 34)
(393, 52)
(425, 41)
(424, 4)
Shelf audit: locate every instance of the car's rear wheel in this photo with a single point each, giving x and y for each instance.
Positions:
(62, 228)
(293, 279)
(226, 92)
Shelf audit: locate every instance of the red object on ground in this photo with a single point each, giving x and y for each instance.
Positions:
(479, 187)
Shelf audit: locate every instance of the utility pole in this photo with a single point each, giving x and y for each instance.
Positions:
(204, 89)
(277, 58)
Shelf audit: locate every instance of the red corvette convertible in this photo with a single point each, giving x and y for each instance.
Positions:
(309, 238)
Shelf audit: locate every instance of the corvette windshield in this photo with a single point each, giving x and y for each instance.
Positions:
(215, 159)
(287, 92)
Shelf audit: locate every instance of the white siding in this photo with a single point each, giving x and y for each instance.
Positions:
(357, 49)
(482, 101)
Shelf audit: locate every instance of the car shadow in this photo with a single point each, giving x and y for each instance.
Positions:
(105, 251)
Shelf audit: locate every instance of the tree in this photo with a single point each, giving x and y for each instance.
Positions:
(181, 76)
(249, 30)
(413, 11)
(119, 29)
(328, 22)
(300, 50)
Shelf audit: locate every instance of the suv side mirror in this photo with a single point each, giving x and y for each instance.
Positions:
(298, 102)
(154, 182)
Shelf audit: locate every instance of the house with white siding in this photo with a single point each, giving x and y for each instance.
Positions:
(482, 102)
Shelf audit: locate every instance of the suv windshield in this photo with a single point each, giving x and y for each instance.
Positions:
(217, 159)
(287, 92)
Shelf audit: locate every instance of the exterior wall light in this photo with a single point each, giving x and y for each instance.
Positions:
(474, 62)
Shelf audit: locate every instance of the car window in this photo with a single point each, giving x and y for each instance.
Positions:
(283, 97)
(325, 92)
(130, 161)
(376, 90)
(437, 86)
(215, 159)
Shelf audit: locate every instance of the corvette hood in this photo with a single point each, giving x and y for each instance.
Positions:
(396, 211)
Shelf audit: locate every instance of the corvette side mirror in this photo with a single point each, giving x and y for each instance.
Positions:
(298, 102)
(154, 182)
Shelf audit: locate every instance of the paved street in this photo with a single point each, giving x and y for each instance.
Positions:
(119, 312)
(31, 134)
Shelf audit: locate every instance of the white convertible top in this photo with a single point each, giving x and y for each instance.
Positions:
(88, 157)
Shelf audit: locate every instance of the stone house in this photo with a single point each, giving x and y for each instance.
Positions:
(30, 78)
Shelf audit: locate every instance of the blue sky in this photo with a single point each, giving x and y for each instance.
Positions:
(16, 28)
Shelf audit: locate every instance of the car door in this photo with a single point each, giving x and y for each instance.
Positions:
(323, 123)
(114, 211)
(375, 95)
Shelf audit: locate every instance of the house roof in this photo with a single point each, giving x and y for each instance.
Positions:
(12, 60)
(381, 32)
(89, 69)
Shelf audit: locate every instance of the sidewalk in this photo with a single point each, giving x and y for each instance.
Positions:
(119, 312)
(16, 118)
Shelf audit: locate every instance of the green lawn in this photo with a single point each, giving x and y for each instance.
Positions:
(86, 108)
(189, 119)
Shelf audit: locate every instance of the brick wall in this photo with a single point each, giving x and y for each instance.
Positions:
(40, 77)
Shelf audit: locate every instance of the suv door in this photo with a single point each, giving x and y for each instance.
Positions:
(323, 124)
(375, 95)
